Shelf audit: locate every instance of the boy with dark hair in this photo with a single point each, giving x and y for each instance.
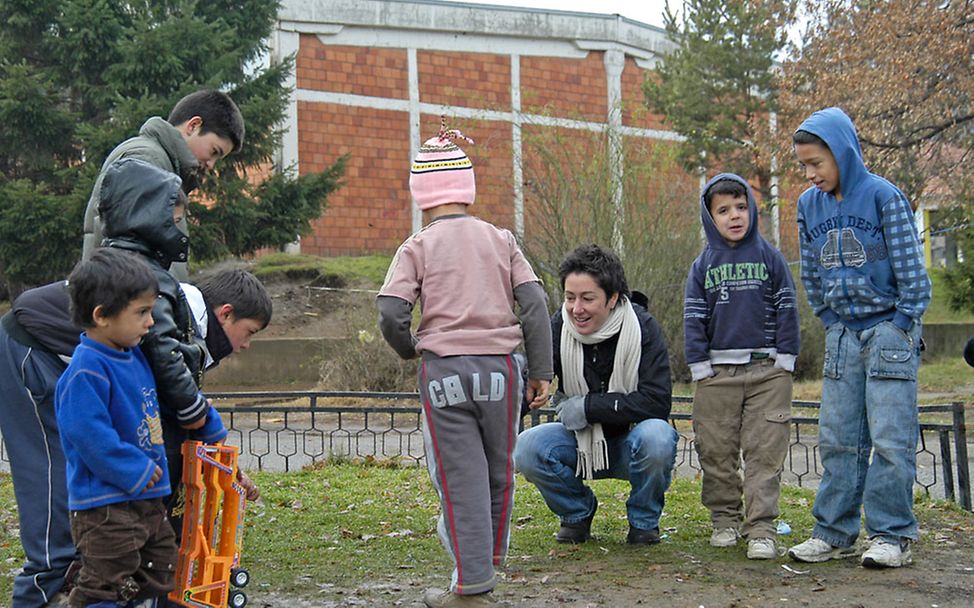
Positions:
(108, 415)
(215, 112)
(203, 128)
(37, 337)
(235, 302)
(741, 338)
(863, 271)
(469, 274)
(242, 291)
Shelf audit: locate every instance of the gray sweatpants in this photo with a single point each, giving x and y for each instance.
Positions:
(744, 410)
(471, 405)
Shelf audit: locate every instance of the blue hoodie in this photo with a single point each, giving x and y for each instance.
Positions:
(739, 299)
(861, 257)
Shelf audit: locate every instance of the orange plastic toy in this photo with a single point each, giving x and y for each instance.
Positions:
(213, 523)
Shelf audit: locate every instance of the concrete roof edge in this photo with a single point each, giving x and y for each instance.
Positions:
(322, 16)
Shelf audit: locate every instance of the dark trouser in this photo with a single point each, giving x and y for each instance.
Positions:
(128, 552)
(174, 436)
(470, 407)
(28, 377)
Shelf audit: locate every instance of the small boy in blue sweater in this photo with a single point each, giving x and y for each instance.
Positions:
(108, 415)
(863, 271)
(741, 339)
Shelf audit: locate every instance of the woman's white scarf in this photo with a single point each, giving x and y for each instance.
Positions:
(593, 451)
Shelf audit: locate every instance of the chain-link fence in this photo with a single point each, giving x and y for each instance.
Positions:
(286, 431)
(290, 430)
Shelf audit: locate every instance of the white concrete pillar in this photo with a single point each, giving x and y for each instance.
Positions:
(414, 126)
(517, 146)
(285, 43)
(615, 61)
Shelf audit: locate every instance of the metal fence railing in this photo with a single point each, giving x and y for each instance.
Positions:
(290, 430)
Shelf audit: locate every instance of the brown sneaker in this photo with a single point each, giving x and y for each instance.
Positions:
(438, 598)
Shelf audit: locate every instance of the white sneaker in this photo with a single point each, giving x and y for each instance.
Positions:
(883, 553)
(815, 550)
(724, 537)
(761, 548)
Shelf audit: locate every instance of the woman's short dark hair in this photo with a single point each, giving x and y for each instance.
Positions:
(602, 264)
(806, 137)
(110, 278)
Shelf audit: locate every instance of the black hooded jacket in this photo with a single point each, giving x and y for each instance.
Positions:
(136, 208)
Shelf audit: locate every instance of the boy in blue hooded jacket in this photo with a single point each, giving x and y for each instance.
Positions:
(741, 339)
(863, 272)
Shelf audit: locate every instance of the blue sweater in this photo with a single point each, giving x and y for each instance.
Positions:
(108, 415)
(861, 257)
(739, 299)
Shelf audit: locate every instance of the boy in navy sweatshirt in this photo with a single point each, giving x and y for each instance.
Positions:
(108, 414)
(863, 271)
(741, 339)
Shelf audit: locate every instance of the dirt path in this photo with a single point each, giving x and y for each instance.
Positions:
(942, 576)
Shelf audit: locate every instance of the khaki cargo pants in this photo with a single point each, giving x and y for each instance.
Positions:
(743, 411)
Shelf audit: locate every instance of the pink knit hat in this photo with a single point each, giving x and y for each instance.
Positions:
(441, 173)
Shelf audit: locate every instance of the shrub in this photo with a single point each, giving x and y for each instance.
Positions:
(652, 223)
(365, 362)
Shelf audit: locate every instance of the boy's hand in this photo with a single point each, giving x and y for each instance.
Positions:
(199, 423)
(537, 393)
(253, 492)
(156, 476)
(192, 426)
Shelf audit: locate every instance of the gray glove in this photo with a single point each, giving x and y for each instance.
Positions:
(571, 413)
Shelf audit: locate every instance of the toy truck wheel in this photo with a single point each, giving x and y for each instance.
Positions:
(237, 599)
(239, 577)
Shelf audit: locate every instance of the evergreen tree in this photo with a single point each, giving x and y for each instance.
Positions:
(716, 86)
(77, 77)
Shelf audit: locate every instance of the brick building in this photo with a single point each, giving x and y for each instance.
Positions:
(372, 78)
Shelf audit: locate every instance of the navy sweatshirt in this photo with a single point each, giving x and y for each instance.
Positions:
(739, 299)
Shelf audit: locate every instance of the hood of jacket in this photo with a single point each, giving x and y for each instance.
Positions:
(836, 129)
(136, 207)
(180, 156)
(714, 238)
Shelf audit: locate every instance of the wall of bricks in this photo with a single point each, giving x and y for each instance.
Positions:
(473, 80)
(570, 88)
(634, 110)
(372, 212)
(373, 72)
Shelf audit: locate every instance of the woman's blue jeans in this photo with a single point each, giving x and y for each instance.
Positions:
(868, 431)
(547, 454)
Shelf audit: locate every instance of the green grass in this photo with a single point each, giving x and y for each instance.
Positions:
(351, 524)
(364, 271)
(939, 311)
(945, 374)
